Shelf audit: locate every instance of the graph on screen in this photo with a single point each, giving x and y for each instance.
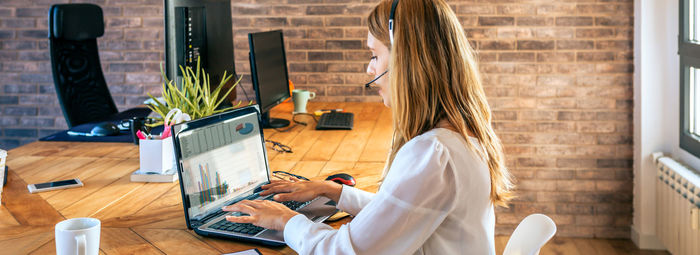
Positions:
(210, 188)
(222, 162)
(224, 173)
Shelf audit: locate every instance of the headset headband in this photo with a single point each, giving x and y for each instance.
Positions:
(391, 21)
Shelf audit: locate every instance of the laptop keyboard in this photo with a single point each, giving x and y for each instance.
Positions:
(244, 228)
(294, 205)
(247, 228)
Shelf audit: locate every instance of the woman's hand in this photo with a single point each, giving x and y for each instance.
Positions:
(302, 191)
(263, 213)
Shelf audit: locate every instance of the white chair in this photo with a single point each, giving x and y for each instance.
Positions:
(530, 235)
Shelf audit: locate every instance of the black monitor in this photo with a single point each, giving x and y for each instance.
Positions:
(268, 70)
(199, 28)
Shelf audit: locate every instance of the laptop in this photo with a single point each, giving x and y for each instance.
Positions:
(221, 159)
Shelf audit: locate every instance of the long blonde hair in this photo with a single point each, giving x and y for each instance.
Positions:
(434, 76)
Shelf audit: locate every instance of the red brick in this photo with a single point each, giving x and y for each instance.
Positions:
(595, 127)
(470, 8)
(595, 56)
(496, 21)
(575, 44)
(516, 57)
(574, 21)
(534, 21)
(306, 21)
(614, 45)
(325, 9)
(325, 79)
(325, 56)
(554, 174)
(614, 21)
(344, 90)
(496, 45)
(594, 32)
(514, 32)
(343, 21)
(555, 8)
(535, 45)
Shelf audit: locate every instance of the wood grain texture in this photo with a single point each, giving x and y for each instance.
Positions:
(148, 218)
(27, 209)
(174, 241)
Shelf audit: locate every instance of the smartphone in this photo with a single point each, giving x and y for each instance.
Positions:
(48, 186)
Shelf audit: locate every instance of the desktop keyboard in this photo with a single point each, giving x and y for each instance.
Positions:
(335, 120)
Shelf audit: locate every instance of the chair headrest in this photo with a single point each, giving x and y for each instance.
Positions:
(76, 21)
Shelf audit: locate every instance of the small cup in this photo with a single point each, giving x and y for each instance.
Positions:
(78, 236)
(301, 97)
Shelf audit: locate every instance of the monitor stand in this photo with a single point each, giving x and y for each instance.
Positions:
(268, 122)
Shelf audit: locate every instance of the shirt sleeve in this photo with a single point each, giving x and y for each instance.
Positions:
(352, 200)
(415, 198)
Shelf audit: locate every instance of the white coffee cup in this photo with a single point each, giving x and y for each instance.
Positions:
(300, 98)
(78, 236)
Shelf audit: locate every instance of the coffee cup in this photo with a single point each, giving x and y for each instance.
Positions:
(300, 98)
(78, 236)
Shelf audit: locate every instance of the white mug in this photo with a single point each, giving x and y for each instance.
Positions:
(300, 97)
(78, 236)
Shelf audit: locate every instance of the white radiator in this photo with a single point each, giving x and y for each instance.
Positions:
(677, 206)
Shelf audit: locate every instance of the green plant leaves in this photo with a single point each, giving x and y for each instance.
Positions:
(193, 95)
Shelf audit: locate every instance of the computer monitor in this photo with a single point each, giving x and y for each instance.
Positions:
(268, 70)
(199, 29)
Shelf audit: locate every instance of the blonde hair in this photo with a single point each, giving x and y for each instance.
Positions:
(434, 76)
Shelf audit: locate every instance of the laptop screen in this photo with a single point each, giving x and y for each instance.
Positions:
(221, 162)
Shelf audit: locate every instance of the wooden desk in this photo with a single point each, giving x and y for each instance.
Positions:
(145, 218)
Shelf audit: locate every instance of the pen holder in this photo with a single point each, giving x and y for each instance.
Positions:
(156, 156)
(157, 161)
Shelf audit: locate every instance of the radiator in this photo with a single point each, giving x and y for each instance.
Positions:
(677, 206)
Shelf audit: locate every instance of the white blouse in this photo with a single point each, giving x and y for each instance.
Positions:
(434, 200)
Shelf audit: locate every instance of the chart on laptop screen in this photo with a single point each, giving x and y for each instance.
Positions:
(220, 162)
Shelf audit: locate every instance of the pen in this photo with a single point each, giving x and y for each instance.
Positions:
(140, 135)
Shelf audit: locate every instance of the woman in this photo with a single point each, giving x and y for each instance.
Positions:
(445, 171)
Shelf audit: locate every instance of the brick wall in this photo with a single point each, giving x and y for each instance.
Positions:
(558, 75)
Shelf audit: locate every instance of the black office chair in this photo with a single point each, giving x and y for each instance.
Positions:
(77, 74)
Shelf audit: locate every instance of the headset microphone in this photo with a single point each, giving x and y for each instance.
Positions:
(367, 85)
(391, 37)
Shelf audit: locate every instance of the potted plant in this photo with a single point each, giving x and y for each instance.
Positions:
(193, 96)
(192, 99)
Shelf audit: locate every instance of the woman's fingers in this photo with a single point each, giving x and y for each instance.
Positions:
(241, 219)
(280, 188)
(251, 203)
(245, 206)
(274, 182)
(283, 197)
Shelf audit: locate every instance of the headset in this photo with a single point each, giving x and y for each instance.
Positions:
(391, 38)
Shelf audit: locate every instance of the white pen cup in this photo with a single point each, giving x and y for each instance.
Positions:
(156, 155)
(78, 236)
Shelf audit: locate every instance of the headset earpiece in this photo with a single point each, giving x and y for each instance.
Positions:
(391, 21)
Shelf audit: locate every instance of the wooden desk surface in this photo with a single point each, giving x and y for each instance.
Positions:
(145, 218)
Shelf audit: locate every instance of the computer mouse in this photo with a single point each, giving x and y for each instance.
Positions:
(342, 178)
(104, 129)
